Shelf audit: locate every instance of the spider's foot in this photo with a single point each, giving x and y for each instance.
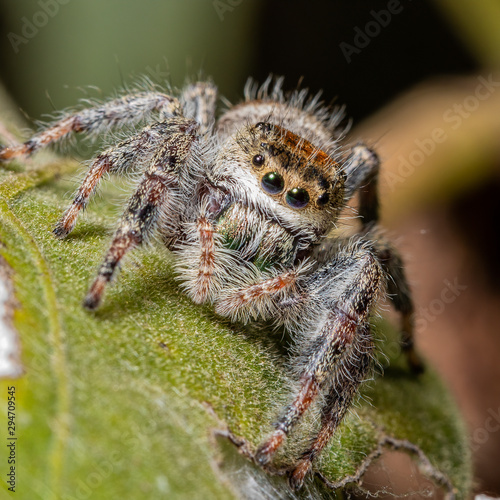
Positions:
(60, 231)
(67, 222)
(265, 451)
(299, 473)
(95, 293)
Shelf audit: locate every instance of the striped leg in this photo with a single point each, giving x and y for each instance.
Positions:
(349, 375)
(125, 110)
(152, 196)
(256, 300)
(206, 266)
(199, 102)
(335, 346)
(126, 156)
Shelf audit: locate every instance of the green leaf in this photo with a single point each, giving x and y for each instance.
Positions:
(154, 397)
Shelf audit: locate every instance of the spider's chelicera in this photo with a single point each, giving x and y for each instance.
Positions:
(246, 202)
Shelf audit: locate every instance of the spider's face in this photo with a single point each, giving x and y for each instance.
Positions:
(304, 181)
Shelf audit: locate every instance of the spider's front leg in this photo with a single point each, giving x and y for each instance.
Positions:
(125, 110)
(127, 156)
(151, 197)
(337, 358)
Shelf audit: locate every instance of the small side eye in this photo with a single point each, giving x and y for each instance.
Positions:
(265, 127)
(258, 160)
(272, 183)
(297, 197)
(323, 199)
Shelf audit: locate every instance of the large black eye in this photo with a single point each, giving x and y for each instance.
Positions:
(273, 183)
(297, 198)
(258, 160)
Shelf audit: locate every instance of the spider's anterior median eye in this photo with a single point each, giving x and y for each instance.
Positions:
(258, 160)
(272, 183)
(297, 197)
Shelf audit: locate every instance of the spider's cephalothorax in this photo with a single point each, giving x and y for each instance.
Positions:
(246, 203)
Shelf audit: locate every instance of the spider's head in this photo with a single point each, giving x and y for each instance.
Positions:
(305, 184)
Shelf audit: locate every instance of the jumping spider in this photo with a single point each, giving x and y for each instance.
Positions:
(246, 203)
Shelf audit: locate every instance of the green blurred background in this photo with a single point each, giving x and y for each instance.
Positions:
(54, 52)
(56, 47)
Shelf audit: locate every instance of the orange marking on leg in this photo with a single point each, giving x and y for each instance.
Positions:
(94, 295)
(121, 244)
(54, 133)
(207, 260)
(13, 152)
(64, 127)
(268, 449)
(68, 220)
(302, 467)
(268, 287)
(308, 391)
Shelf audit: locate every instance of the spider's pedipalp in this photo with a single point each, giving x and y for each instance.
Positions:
(125, 110)
(206, 267)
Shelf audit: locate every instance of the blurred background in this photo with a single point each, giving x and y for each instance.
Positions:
(421, 81)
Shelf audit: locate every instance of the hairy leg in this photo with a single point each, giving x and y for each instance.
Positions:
(125, 110)
(348, 376)
(362, 174)
(257, 300)
(355, 280)
(125, 157)
(398, 291)
(155, 193)
(206, 266)
(199, 101)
